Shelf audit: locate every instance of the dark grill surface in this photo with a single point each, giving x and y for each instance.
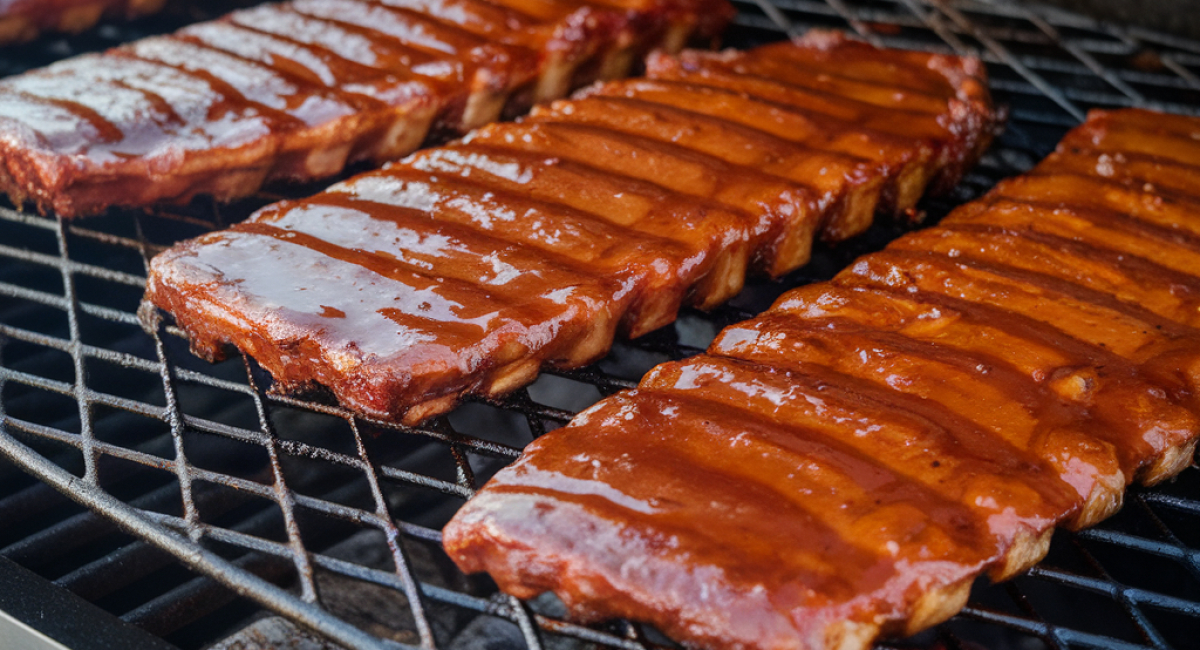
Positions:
(298, 507)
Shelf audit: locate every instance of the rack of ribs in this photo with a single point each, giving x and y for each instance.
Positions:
(466, 269)
(298, 90)
(25, 20)
(846, 464)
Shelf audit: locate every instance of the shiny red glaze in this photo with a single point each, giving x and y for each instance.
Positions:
(466, 268)
(297, 90)
(873, 443)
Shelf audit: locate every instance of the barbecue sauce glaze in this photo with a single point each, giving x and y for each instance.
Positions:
(297, 90)
(844, 465)
(467, 268)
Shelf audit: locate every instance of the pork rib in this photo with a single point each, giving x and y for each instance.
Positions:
(25, 20)
(846, 464)
(467, 268)
(298, 90)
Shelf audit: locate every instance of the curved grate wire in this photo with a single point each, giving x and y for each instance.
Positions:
(264, 493)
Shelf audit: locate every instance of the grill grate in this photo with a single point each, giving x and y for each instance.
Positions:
(290, 501)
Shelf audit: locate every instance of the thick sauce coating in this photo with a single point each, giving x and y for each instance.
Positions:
(297, 90)
(929, 414)
(467, 268)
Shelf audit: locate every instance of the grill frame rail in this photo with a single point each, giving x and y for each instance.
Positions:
(90, 402)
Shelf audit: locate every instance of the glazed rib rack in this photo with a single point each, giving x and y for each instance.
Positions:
(199, 458)
(21, 20)
(300, 90)
(465, 268)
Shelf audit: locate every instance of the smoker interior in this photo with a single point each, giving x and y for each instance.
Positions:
(198, 501)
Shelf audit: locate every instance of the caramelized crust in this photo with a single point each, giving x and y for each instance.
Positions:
(298, 90)
(467, 268)
(844, 465)
(25, 20)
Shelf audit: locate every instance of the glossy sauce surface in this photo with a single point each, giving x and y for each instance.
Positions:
(297, 90)
(983, 381)
(535, 243)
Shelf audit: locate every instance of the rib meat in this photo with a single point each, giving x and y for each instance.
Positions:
(846, 464)
(298, 90)
(467, 268)
(24, 20)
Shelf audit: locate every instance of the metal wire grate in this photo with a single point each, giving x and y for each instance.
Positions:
(287, 501)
